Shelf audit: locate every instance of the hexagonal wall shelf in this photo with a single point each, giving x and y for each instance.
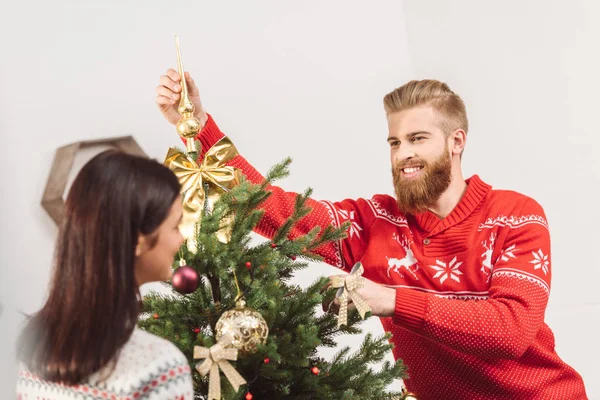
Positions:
(53, 198)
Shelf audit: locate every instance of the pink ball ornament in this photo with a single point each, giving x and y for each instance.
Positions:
(185, 279)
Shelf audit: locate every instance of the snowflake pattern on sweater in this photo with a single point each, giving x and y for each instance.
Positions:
(471, 288)
(148, 367)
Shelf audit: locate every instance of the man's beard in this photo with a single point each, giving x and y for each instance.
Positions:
(415, 195)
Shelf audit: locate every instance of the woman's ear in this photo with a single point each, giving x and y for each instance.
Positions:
(141, 245)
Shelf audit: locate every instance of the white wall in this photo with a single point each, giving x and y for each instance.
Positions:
(305, 79)
(301, 79)
(528, 72)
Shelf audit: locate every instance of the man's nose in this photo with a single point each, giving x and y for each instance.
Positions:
(404, 153)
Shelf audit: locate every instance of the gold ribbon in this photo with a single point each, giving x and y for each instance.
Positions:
(217, 357)
(347, 290)
(220, 178)
(406, 395)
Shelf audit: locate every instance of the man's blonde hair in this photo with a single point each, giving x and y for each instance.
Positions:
(429, 92)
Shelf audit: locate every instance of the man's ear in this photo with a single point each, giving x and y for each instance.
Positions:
(141, 245)
(459, 140)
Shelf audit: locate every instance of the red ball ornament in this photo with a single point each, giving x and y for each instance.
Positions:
(266, 361)
(196, 330)
(248, 265)
(315, 370)
(249, 396)
(293, 258)
(185, 279)
(155, 316)
(273, 245)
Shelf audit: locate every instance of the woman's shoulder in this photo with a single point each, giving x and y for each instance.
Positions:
(146, 364)
(146, 348)
(146, 357)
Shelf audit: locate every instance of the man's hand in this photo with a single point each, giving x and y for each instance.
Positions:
(381, 299)
(169, 92)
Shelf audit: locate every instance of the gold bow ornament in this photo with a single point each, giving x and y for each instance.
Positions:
(215, 358)
(212, 170)
(347, 286)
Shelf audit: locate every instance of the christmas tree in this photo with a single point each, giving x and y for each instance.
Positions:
(235, 282)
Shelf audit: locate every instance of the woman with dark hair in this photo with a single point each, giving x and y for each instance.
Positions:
(121, 229)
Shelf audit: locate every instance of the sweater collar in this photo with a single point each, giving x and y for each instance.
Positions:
(475, 193)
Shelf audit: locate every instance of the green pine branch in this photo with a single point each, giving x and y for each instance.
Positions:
(263, 271)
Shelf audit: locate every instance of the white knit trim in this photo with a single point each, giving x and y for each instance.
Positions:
(381, 212)
(337, 245)
(514, 222)
(514, 273)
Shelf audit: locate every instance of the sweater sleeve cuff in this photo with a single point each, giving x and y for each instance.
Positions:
(410, 308)
(210, 134)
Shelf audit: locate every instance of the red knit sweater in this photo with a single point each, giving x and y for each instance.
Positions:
(472, 288)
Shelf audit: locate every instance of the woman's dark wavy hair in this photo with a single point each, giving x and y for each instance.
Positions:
(93, 302)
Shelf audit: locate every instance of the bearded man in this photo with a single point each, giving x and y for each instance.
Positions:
(458, 272)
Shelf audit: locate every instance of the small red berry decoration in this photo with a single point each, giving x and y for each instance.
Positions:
(249, 396)
(248, 265)
(315, 370)
(155, 316)
(196, 330)
(266, 360)
(273, 245)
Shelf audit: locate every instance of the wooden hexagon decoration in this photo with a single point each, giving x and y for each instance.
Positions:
(53, 200)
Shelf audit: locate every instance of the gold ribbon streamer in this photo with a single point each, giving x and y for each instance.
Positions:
(347, 290)
(217, 357)
(220, 178)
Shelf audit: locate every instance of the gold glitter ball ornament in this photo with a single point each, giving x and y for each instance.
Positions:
(247, 327)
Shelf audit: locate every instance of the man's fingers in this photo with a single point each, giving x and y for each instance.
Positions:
(162, 100)
(168, 93)
(331, 304)
(330, 281)
(170, 84)
(192, 88)
(172, 81)
(326, 286)
(334, 307)
(173, 75)
(326, 304)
